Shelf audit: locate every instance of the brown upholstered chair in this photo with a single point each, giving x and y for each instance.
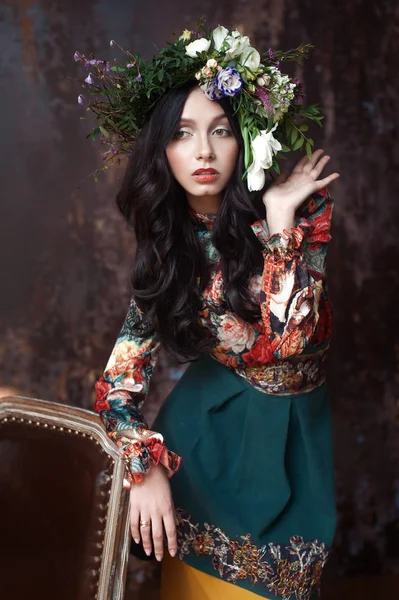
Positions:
(64, 527)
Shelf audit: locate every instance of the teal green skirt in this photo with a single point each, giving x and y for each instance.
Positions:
(255, 491)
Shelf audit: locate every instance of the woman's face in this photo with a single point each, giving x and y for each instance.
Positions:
(204, 139)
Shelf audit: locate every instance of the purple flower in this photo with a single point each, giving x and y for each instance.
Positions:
(77, 57)
(89, 79)
(80, 99)
(267, 103)
(229, 81)
(139, 78)
(129, 65)
(272, 55)
(299, 90)
(211, 90)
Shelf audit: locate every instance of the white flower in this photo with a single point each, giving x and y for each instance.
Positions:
(264, 146)
(211, 63)
(207, 72)
(278, 115)
(219, 34)
(198, 75)
(229, 81)
(263, 80)
(255, 177)
(250, 58)
(237, 45)
(200, 45)
(186, 35)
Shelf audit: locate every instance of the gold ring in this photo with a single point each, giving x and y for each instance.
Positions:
(145, 523)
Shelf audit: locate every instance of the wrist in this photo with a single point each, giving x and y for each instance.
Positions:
(278, 220)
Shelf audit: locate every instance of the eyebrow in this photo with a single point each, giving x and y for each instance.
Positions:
(216, 118)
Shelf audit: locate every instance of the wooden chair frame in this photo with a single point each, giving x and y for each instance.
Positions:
(81, 422)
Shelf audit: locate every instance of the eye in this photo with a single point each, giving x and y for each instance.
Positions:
(221, 129)
(177, 135)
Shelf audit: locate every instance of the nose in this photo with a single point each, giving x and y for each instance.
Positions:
(204, 148)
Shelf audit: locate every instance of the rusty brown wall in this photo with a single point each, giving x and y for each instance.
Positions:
(65, 254)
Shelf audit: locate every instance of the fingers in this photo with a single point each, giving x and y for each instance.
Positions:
(306, 164)
(134, 525)
(170, 530)
(317, 169)
(157, 536)
(311, 164)
(322, 183)
(145, 532)
(300, 164)
(315, 166)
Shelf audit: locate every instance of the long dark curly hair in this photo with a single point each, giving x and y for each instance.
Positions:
(169, 256)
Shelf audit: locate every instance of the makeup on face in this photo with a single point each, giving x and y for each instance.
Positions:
(203, 151)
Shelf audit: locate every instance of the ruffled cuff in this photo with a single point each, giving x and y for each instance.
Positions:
(140, 448)
(285, 244)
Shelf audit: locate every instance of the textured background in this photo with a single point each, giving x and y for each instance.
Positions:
(65, 253)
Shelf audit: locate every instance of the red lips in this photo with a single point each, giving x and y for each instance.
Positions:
(200, 171)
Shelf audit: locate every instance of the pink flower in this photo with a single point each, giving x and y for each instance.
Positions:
(235, 334)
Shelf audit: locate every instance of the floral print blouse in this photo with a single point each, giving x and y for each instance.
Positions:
(283, 353)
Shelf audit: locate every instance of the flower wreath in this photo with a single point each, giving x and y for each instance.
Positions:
(225, 65)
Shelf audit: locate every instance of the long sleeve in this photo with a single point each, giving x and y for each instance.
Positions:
(293, 294)
(120, 394)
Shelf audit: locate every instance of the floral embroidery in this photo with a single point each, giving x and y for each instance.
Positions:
(297, 374)
(287, 570)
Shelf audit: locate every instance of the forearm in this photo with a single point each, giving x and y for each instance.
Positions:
(278, 220)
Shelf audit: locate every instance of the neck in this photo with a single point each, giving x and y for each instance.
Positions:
(205, 204)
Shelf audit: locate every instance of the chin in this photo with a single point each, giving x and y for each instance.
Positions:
(204, 189)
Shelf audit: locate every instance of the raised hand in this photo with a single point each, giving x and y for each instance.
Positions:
(288, 191)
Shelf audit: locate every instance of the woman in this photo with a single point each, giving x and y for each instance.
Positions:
(242, 495)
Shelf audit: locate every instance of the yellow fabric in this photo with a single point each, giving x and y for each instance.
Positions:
(179, 581)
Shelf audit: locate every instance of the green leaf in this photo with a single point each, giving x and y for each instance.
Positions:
(276, 167)
(285, 148)
(308, 150)
(303, 128)
(294, 135)
(93, 134)
(117, 69)
(288, 127)
(104, 131)
(161, 74)
(246, 147)
(299, 143)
